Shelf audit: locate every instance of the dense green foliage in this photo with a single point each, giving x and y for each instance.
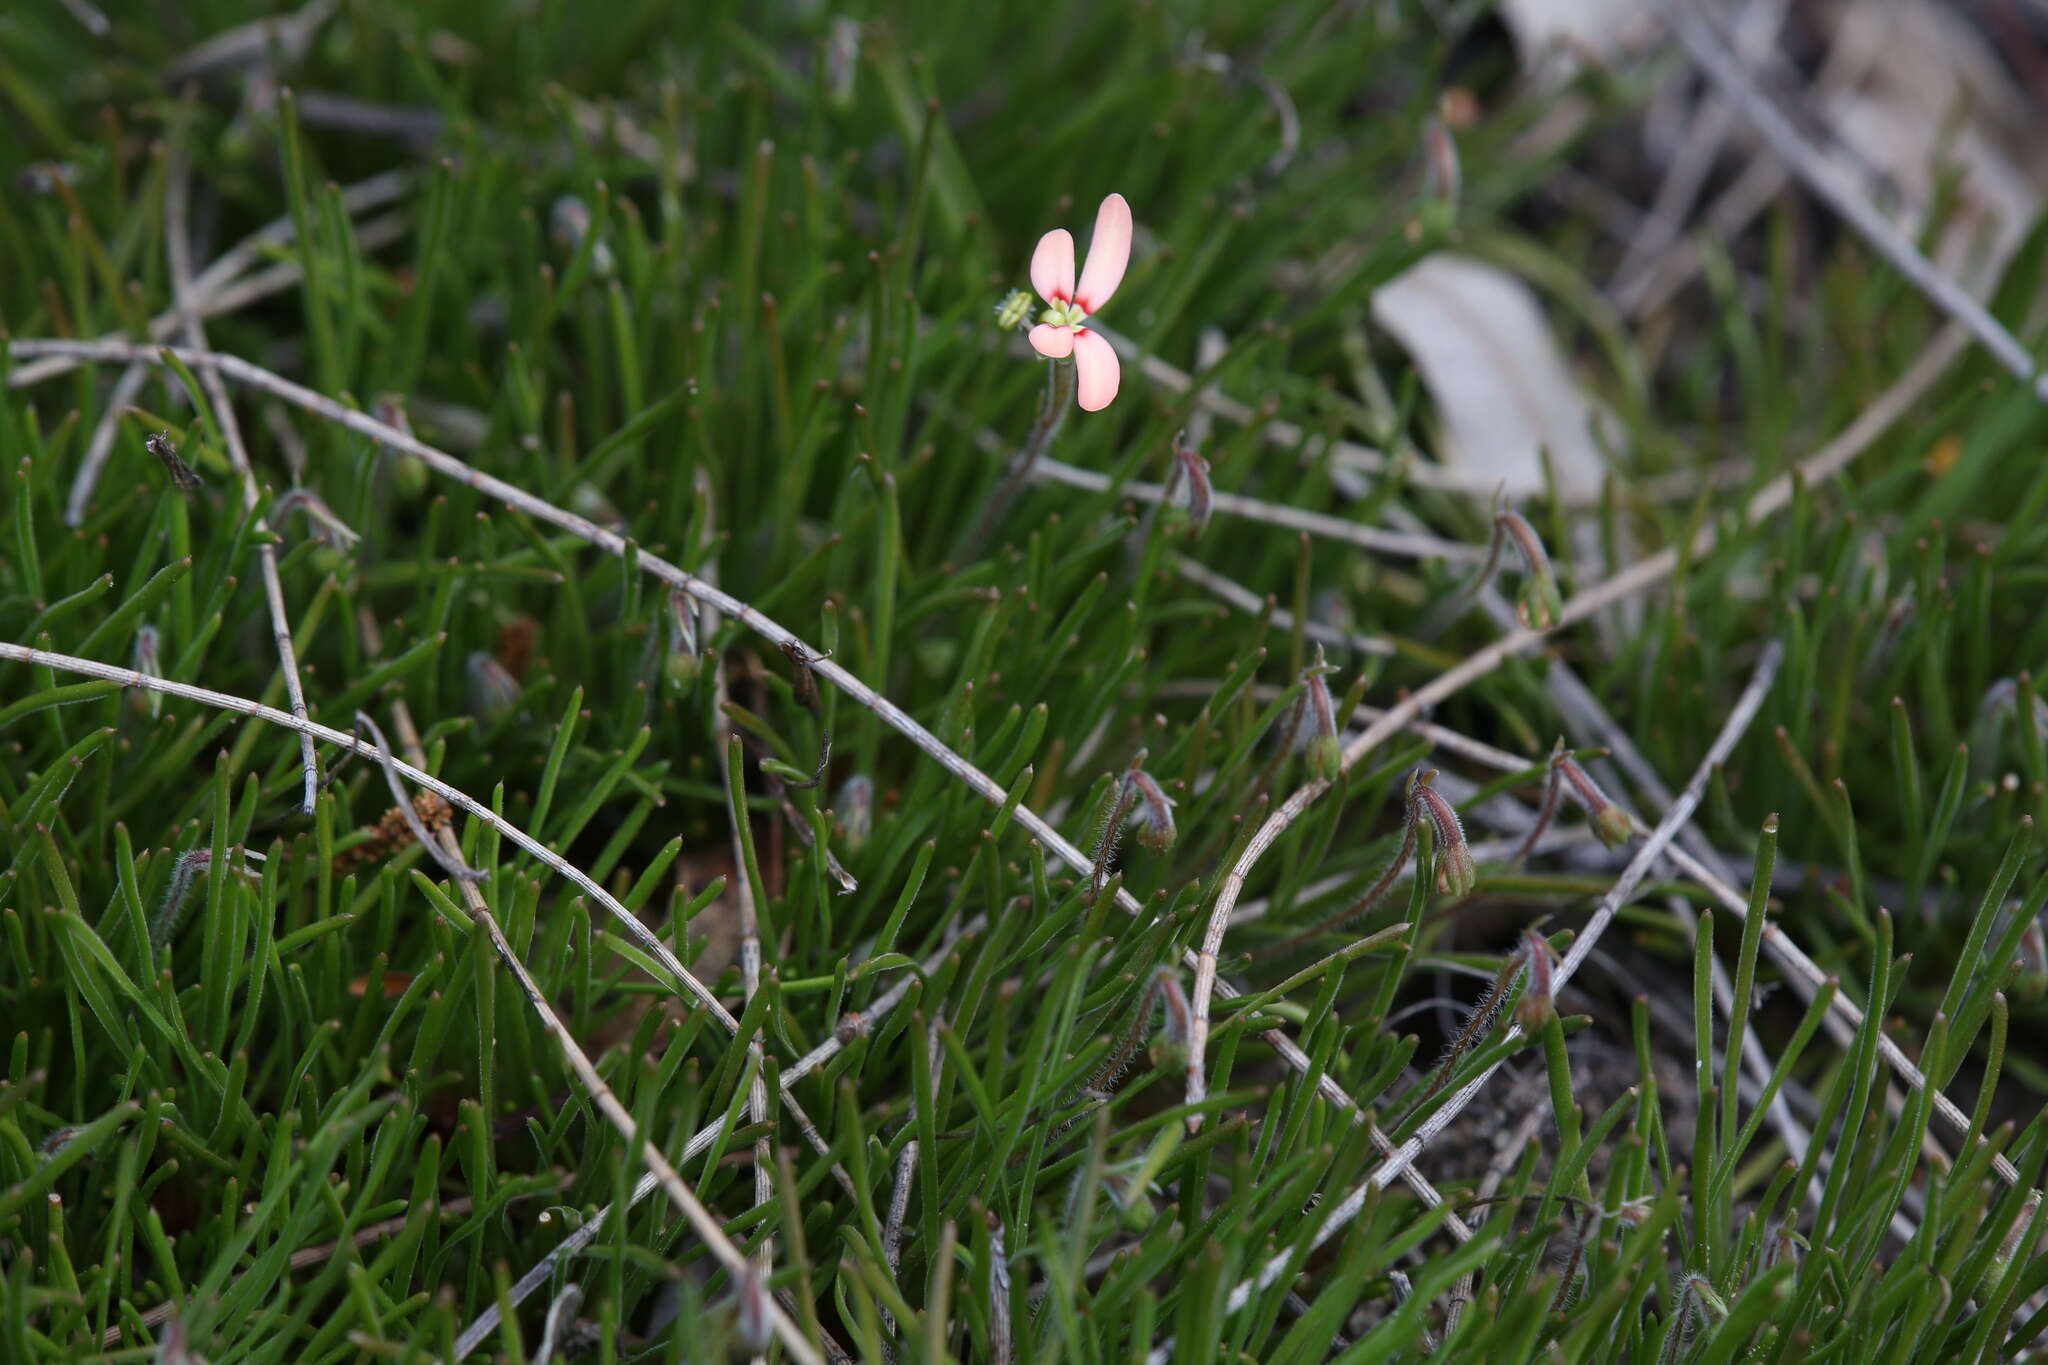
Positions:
(298, 1096)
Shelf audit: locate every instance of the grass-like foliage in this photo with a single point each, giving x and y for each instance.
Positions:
(816, 846)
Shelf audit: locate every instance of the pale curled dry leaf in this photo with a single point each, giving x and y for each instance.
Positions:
(1555, 38)
(1504, 394)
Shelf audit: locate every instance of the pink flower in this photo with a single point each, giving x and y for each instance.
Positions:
(1059, 332)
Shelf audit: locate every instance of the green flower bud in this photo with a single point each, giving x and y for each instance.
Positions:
(1612, 826)
(1456, 874)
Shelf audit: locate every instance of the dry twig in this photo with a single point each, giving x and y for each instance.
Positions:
(177, 202)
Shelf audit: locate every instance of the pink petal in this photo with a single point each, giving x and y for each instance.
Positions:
(1052, 266)
(1095, 359)
(1109, 251)
(1055, 342)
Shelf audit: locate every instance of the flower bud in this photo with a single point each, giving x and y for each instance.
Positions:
(1013, 311)
(1456, 874)
(1442, 178)
(1177, 1027)
(1151, 812)
(493, 691)
(2030, 982)
(751, 1319)
(149, 663)
(685, 659)
(1188, 489)
(328, 528)
(855, 808)
(1611, 825)
(569, 225)
(842, 61)
(588, 501)
(408, 471)
(1538, 604)
(1535, 1007)
(1319, 736)
(2009, 1247)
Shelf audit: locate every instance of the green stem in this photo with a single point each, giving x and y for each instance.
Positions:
(1052, 414)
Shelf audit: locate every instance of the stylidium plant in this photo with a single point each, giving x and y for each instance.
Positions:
(1061, 332)
(1060, 335)
(1479, 1022)
(1164, 994)
(172, 907)
(1696, 1299)
(1553, 788)
(190, 866)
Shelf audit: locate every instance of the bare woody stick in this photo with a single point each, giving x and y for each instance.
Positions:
(892, 1231)
(1408, 544)
(177, 195)
(242, 371)
(1249, 602)
(1624, 888)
